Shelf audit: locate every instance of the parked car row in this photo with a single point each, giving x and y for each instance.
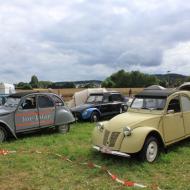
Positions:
(155, 119)
(31, 111)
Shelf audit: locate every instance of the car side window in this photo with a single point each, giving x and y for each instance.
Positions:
(116, 97)
(106, 99)
(185, 101)
(58, 101)
(45, 102)
(174, 105)
(29, 103)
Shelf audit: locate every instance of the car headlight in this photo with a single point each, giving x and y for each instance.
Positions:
(100, 126)
(127, 131)
(85, 112)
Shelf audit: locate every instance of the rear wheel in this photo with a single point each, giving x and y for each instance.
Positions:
(63, 128)
(3, 134)
(150, 150)
(95, 117)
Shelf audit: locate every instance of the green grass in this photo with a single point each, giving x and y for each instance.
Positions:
(27, 170)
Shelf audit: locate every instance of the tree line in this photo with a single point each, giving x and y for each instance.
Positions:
(119, 79)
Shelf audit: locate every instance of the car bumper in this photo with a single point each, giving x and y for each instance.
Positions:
(108, 151)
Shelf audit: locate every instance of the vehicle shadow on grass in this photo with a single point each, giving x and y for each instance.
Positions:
(134, 160)
(37, 133)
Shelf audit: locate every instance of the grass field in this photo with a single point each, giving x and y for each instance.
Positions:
(27, 170)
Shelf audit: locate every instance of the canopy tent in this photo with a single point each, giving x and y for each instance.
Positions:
(80, 98)
(6, 88)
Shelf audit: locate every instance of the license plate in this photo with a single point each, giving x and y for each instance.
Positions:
(105, 150)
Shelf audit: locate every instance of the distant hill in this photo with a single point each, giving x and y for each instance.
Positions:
(171, 76)
(174, 79)
(77, 84)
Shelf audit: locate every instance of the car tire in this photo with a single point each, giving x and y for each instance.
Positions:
(3, 134)
(63, 128)
(94, 116)
(150, 150)
(120, 110)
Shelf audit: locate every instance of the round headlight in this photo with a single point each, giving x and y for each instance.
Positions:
(85, 112)
(100, 126)
(127, 131)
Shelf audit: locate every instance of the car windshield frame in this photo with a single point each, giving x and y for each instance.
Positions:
(95, 98)
(12, 102)
(149, 103)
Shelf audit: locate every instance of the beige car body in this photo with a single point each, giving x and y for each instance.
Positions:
(168, 127)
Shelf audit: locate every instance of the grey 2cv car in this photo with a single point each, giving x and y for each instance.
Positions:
(30, 111)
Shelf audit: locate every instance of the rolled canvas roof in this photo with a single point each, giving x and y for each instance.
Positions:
(185, 86)
(80, 98)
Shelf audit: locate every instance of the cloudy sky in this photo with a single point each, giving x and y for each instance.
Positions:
(63, 40)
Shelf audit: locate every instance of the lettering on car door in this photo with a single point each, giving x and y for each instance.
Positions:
(26, 117)
(46, 110)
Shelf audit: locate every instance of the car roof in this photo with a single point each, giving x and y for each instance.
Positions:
(156, 93)
(22, 94)
(109, 92)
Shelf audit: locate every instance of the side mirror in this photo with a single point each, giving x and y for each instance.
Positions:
(170, 111)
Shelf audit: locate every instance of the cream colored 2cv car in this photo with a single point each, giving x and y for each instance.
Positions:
(155, 119)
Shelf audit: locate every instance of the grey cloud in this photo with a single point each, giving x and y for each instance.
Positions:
(52, 38)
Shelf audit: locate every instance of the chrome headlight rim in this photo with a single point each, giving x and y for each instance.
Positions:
(100, 126)
(127, 131)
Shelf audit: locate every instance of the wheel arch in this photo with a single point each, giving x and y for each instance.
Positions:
(130, 144)
(89, 113)
(8, 129)
(157, 135)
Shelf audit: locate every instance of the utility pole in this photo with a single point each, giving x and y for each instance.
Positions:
(168, 72)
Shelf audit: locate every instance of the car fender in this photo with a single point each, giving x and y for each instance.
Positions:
(134, 143)
(63, 116)
(8, 128)
(86, 114)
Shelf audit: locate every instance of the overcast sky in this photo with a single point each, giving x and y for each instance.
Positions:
(63, 40)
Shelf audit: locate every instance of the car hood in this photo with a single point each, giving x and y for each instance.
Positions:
(6, 110)
(132, 120)
(81, 107)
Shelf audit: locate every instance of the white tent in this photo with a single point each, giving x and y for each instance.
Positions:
(80, 98)
(6, 88)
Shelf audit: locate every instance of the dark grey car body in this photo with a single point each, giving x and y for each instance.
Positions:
(32, 111)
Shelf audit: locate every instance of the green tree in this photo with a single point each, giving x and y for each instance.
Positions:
(123, 79)
(34, 82)
(24, 86)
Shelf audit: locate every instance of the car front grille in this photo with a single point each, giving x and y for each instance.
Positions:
(110, 140)
(113, 138)
(106, 135)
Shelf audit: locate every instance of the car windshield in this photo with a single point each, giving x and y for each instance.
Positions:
(12, 102)
(94, 98)
(149, 103)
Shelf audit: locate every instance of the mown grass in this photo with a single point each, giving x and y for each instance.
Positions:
(29, 170)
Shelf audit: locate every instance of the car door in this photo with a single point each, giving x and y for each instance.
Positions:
(46, 109)
(106, 105)
(116, 104)
(26, 116)
(173, 121)
(185, 102)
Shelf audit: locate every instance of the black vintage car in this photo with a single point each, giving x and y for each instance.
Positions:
(99, 105)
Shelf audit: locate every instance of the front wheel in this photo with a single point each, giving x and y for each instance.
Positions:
(3, 134)
(63, 128)
(95, 117)
(150, 150)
